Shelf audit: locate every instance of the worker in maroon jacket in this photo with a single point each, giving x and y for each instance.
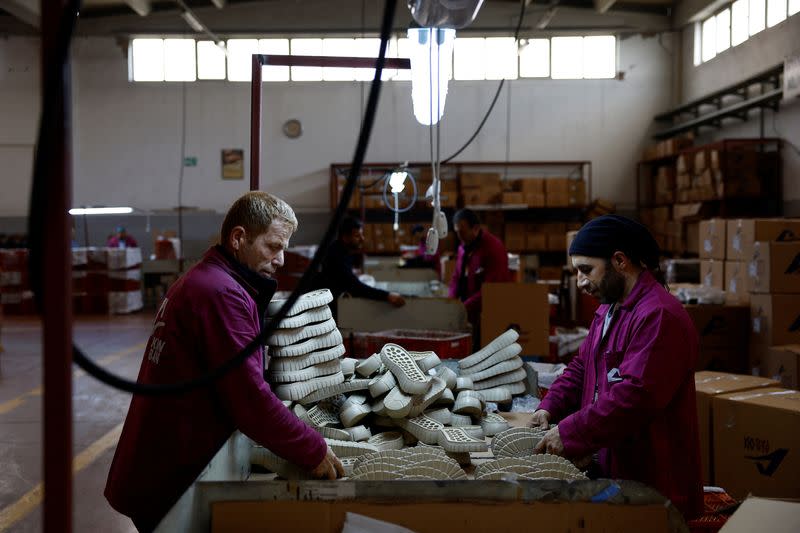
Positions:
(208, 316)
(629, 395)
(482, 258)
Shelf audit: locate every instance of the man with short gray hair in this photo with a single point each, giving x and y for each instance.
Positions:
(210, 314)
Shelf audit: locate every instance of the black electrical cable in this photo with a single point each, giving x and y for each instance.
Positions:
(39, 199)
(496, 94)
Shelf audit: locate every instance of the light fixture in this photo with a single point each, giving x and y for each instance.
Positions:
(431, 65)
(77, 211)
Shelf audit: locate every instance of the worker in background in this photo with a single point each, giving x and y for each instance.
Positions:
(209, 315)
(629, 394)
(121, 239)
(421, 258)
(336, 273)
(481, 258)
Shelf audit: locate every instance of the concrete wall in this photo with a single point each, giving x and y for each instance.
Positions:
(127, 136)
(764, 50)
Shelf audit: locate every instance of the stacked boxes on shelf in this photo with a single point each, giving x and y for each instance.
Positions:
(107, 280)
(15, 294)
(481, 188)
(666, 148)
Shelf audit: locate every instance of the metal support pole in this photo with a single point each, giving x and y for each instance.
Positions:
(57, 288)
(255, 124)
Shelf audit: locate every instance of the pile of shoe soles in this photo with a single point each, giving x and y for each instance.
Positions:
(397, 414)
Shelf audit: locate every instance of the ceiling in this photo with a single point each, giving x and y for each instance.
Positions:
(135, 17)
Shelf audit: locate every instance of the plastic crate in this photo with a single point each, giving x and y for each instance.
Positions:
(446, 344)
(717, 509)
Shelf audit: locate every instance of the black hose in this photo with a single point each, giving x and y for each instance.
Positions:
(496, 94)
(39, 198)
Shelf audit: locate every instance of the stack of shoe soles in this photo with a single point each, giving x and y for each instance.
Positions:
(410, 463)
(305, 349)
(516, 442)
(496, 370)
(542, 466)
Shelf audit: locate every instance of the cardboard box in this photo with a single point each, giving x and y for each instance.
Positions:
(710, 384)
(775, 319)
(522, 306)
(699, 161)
(723, 333)
(712, 273)
(536, 240)
(774, 267)
(756, 442)
(565, 192)
(534, 199)
(532, 185)
(480, 180)
(712, 239)
(743, 233)
(510, 198)
(782, 363)
(760, 514)
(515, 236)
(736, 282)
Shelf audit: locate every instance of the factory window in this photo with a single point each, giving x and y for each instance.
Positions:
(240, 63)
(306, 47)
(599, 56)
(210, 61)
(491, 58)
(735, 24)
(163, 60)
(276, 47)
(534, 58)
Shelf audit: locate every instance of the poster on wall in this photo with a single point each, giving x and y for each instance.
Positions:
(232, 164)
(791, 77)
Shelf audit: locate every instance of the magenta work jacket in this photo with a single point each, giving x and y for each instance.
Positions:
(643, 420)
(488, 263)
(208, 315)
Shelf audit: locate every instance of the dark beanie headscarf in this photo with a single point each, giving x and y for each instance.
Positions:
(603, 236)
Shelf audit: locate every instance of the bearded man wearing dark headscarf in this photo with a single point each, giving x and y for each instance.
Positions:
(625, 406)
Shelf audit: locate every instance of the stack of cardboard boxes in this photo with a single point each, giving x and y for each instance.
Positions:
(757, 264)
(748, 438)
(537, 237)
(487, 188)
(107, 280)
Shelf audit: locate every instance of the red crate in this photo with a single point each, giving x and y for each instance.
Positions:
(446, 344)
(717, 510)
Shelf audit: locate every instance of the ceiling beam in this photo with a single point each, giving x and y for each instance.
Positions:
(219, 3)
(25, 10)
(141, 7)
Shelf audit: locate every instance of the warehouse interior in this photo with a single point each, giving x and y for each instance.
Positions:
(559, 115)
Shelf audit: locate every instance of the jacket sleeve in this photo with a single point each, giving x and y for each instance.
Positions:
(565, 395)
(453, 291)
(495, 270)
(652, 369)
(248, 399)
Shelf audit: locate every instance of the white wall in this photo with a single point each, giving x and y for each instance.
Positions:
(762, 51)
(127, 135)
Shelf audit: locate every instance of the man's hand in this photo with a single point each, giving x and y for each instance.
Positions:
(395, 299)
(582, 463)
(550, 443)
(541, 419)
(330, 467)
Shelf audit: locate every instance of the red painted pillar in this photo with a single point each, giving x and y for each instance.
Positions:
(57, 286)
(255, 124)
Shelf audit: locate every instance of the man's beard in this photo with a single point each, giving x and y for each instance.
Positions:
(611, 287)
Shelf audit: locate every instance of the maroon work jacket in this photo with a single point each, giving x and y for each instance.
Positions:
(208, 315)
(631, 396)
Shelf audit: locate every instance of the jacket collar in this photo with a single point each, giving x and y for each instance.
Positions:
(260, 288)
(643, 285)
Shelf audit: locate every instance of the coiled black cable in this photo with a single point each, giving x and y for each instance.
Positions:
(47, 142)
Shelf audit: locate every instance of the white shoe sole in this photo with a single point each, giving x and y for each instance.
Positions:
(290, 364)
(420, 403)
(285, 337)
(443, 416)
(457, 440)
(446, 399)
(425, 360)
(279, 465)
(344, 387)
(423, 428)
(501, 394)
(516, 442)
(397, 404)
(320, 416)
(448, 376)
(297, 391)
(292, 376)
(507, 353)
(343, 448)
(327, 340)
(506, 339)
(349, 366)
(460, 421)
(496, 370)
(388, 440)
(312, 316)
(354, 414)
(493, 424)
(354, 399)
(467, 404)
(359, 433)
(309, 300)
(333, 433)
(463, 383)
(382, 384)
(409, 376)
(503, 379)
(368, 366)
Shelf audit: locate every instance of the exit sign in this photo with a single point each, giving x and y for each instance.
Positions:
(190, 161)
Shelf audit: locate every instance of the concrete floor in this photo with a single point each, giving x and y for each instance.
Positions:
(115, 342)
